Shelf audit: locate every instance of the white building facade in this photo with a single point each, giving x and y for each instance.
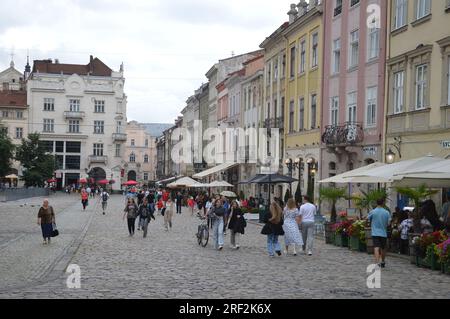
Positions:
(80, 112)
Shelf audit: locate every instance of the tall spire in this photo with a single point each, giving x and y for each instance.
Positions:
(27, 67)
(12, 59)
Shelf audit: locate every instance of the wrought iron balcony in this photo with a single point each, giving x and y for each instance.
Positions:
(338, 10)
(73, 115)
(119, 137)
(348, 134)
(98, 159)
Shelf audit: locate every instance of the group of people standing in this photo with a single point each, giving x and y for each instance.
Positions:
(295, 223)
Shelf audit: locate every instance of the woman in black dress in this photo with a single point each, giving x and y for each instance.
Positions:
(236, 225)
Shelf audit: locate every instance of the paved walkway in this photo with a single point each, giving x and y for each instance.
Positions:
(172, 265)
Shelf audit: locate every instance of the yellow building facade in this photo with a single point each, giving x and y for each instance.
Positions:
(304, 46)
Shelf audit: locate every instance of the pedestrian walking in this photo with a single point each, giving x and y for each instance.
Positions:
(226, 206)
(236, 225)
(404, 228)
(273, 228)
(292, 236)
(217, 216)
(105, 197)
(46, 219)
(84, 198)
(145, 212)
(179, 202)
(379, 219)
(191, 204)
(130, 212)
(168, 213)
(307, 213)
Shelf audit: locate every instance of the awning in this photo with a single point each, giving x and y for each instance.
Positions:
(184, 182)
(350, 176)
(214, 170)
(168, 180)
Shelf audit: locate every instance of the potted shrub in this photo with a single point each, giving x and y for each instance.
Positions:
(357, 236)
(425, 245)
(341, 232)
(443, 253)
(331, 195)
(432, 257)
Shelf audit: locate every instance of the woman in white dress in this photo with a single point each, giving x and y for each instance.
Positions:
(292, 236)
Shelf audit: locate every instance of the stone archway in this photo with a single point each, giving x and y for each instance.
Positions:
(97, 174)
(132, 176)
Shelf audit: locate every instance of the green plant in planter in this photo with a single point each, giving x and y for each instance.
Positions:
(418, 194)
(332, 195)
(366, 201)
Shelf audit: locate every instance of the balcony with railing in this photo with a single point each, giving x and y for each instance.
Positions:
(350, 133)
(119, 137)
(337, 10)
(74, 115)
(98, 159)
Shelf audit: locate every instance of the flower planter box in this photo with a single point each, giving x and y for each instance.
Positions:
(369, 241)
(356, 245)
(341, 240)
(423, 262)
(445, 268)
(329, 233)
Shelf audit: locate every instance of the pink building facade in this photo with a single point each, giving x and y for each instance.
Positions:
(354, 84)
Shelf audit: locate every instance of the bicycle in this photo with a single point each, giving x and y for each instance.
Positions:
(203, 231)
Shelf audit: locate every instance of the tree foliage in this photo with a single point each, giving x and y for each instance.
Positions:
(418, 194)
(332, 195)
(6, 153)
(368, 200)
(38, 165)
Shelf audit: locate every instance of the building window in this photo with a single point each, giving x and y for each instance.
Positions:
(146, 142)
(338, 8)
(292, 72)
(74, 126)
(132, 158)
(354, 3)
(49, 125)
(423, 8)
(283, 65)
(59, 147)
(99, 127)
(98, 149)
(351, 107)
(354, 49)
(401, 11)
(275, 71)
(145, 176)
(291, 117)
(145, 158)
(374, 43)
(118, 150)
(119, 127)
(5, 114)
(421, 86)
(99, 106)
(336, 66)
(19, 133)
(334, 111)
(313, 111)
(315, 50)
(73, 162)
(398, 91)
(74, 105)
(73, 147)
(133, 142)
(49, 104)
(371, 118)
(301, 107)
(303, 56)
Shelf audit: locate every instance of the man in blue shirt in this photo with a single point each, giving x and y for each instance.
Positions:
(379, 219)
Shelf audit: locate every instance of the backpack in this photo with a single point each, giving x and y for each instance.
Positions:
(105, 197)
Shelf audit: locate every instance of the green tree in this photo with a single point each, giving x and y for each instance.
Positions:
(6, 153)
(332, 195)
(368, 200)
(418, 194)
(38, 165)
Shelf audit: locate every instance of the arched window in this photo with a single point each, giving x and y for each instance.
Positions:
(145, 158)
(132, 158)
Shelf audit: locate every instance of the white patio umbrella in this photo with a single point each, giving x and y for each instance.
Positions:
(183, 182)
(349, 176)
(229, 194)
(393, 172)
(219, 184)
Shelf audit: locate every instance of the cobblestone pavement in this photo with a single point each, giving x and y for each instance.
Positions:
(172, 265)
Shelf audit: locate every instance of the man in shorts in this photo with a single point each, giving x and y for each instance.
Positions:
(379, 219)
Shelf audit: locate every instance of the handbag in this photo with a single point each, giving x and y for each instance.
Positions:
(55, 231)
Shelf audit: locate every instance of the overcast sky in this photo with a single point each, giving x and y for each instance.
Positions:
(166, 46)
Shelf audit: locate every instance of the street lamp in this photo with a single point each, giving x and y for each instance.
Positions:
(390, 157)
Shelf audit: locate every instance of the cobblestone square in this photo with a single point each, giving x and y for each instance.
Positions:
(172, 265)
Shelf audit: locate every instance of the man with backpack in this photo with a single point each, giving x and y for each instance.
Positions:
(105, 196)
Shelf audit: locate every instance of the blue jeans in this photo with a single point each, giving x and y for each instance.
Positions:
(218, 232)
(272, 244)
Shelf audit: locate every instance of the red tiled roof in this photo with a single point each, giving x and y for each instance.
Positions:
(95, 67)
(13, 98)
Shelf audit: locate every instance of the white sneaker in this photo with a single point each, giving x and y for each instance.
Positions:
(309, 253)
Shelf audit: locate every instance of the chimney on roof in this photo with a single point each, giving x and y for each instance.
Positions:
(91, 65)
(292, 13)
(56, 61)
